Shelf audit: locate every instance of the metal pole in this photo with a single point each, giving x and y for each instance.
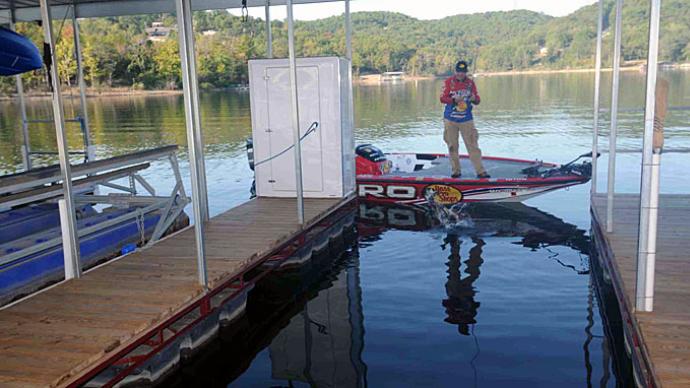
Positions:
(649, 190)
(348, 44)
(88, 146)
(295, 114)
(194, 90)
(597, 87)
(269, 31)
(195, 143)
(348, 31)
(68, 221)
(614, 118)
(26, 148)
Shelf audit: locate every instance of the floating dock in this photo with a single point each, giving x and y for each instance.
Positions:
(659, 341)
(130, 319)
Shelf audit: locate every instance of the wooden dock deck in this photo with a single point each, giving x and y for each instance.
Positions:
(57, 336)
(663, 348)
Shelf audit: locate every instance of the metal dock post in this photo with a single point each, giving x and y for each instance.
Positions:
(294, 99)
(611, 183)
(194, 134)
(649, 186)
(68, 219)
(26, 148)
(269, 31)
(348, 32)
(597, 88)
(88, 146)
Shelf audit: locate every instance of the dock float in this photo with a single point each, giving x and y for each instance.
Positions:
(129, 320)
(659, 341)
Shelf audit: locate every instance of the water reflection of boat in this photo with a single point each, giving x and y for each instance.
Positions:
(538, 229)
(477, 221)
(505, 219)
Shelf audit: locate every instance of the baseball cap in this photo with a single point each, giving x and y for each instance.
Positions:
(461, 67)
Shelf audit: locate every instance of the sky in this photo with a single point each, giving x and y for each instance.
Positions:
(425, 9)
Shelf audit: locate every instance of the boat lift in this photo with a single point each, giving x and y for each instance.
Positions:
(45, 185)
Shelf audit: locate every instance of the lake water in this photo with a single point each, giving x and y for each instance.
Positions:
(506, 300)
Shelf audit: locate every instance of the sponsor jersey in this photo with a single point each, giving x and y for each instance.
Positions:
(460, 111)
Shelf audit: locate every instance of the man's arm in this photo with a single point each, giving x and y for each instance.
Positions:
(445, 94)
(475, 96)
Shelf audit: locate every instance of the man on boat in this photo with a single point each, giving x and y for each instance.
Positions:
(459, 94)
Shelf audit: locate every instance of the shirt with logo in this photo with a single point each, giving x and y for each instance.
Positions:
(460, 111)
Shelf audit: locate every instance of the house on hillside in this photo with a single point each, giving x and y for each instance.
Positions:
(158, 32)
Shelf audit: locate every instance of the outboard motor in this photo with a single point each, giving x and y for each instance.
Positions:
(371, 160)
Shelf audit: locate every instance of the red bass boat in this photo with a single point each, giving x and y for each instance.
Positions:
(411, 178)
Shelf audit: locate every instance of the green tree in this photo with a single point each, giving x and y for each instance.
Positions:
(64, 51)
(167, 59)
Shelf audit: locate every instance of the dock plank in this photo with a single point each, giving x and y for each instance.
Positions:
(666, 330)
(57, 335)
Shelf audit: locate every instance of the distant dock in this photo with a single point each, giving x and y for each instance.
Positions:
(131, 319)
(393, 76)
(659, 341)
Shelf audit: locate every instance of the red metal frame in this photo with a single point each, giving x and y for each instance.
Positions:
(155, 338)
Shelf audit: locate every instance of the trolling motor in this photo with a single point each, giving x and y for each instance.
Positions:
(571, 168)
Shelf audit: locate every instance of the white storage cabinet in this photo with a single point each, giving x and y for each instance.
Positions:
(323, 84)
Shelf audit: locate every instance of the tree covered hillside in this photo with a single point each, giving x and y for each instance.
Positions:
(121, 52)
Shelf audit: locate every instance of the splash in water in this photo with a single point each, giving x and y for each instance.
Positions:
(451, 217)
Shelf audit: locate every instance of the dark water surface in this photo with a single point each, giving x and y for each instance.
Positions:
(507, 299)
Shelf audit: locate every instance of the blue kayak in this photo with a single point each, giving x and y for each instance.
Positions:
(17, 53)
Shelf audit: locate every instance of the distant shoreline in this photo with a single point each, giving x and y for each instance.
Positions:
(96, 93)
(552, 71)
(374, 78)
(371, 79)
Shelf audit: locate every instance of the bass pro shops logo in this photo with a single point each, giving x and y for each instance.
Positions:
(443, 194)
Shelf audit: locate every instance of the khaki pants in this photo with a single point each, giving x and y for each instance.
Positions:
(470, 137)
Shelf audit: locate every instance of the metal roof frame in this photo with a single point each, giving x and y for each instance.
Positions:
(29, 10)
